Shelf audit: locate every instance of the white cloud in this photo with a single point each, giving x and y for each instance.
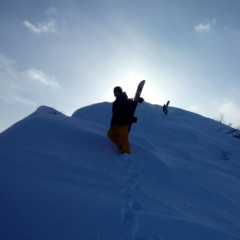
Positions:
(202, 28)
(5, 64)
(12, 87)
(205, 26)
(230, 112)
(22, 87)
(51, 10)
(11, 95)
(45, 27)
(39, 76)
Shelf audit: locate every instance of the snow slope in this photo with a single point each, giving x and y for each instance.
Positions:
(61, 178)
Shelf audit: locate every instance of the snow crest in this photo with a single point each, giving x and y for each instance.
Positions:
(61, 177)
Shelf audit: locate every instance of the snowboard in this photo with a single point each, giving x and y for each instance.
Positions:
(139, 91)
(137, 98)
(165, 108)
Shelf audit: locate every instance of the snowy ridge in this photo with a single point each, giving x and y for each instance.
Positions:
(61, 178)
(44, 110)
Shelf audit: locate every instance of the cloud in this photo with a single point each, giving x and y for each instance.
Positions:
(205, 26)
(51, 10)
(202, 28)
(22, 87)
(40, 77)
(6, 64)
(11, 87)
(230, 112)
(45, 27)
(11, 96)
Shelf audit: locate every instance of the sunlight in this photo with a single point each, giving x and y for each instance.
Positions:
(150, 92)
(130, 84)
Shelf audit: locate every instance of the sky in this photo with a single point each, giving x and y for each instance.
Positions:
(181, 180)
(70, 54)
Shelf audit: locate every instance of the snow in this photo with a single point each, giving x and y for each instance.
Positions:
(61, 177)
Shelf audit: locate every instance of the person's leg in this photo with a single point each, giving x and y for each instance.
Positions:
(113, 134)
(123, 142)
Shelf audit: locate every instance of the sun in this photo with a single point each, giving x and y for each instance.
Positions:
(130, 83)
(149, 93)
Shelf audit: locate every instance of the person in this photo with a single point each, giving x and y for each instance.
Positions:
(122, 118)
(165, 107)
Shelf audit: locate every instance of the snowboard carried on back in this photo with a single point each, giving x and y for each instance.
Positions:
(139, 91)
(136, 100)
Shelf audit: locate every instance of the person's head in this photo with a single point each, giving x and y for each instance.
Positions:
(117, 91)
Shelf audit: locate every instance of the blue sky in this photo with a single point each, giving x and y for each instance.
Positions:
(69, 54)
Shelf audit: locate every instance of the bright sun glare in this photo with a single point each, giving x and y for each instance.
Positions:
(130, 83)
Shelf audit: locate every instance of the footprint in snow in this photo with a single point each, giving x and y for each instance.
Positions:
(135, 205)
(128, 215)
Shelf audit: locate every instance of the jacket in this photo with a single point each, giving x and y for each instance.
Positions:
(122, 111)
